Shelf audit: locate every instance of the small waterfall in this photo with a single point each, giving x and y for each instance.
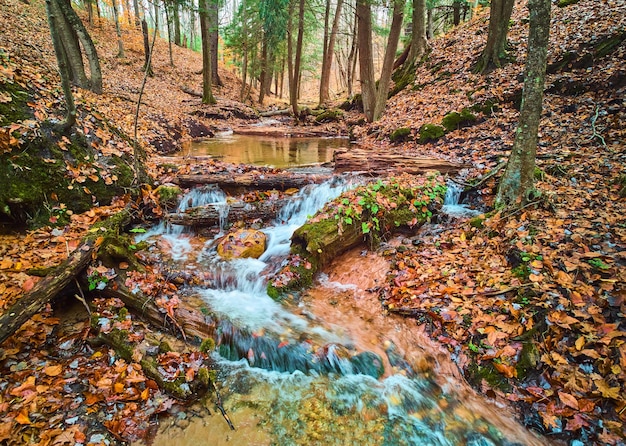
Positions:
(451, 202)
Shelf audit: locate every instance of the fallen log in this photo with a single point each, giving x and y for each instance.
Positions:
(229, 180)
(376, 163)
(270, 113)
(190, 91)
(214, 214)
(48, 288)
(285, 132)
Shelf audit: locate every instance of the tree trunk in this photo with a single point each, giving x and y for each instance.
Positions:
(419, 44)
(169, 33)
(352, 58)
(375, 97)
(456, 13)
(88, 46)
(137, 14)
(89, 5)
(118, 30)
(214, 21)
(129, 19)
(494, 52)
(70, 118)
(328, 56)
(290, 75)
(70, 47)
(382, 91)
(147, 66)
(430, 19)
(176, 18)
(207, 71)
(516, 185)
(263, 75)
(294, 89)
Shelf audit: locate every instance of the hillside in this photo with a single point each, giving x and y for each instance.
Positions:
(529, 302)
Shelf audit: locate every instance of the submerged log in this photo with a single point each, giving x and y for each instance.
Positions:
(375, 163)
(213, 214)
(48, 288)
(285, 132)
(229, 180)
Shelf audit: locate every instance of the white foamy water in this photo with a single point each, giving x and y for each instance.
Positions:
(451, 205)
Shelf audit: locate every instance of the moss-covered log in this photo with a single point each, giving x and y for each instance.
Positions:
(48, 288)
(366, 214)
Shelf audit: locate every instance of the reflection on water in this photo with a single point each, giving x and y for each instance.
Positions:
(265, 150)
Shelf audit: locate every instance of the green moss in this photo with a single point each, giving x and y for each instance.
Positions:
(455, 120)
(430, 132)
(399, 134)
(402, 78)
(15, 109)
(477, 372)
(564, 3)
(168, 194)
(528, 360)
(207, 345)
(477, 222)
(486, 107)
(330, 115)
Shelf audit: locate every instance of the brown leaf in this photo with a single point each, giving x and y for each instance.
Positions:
(569, 400)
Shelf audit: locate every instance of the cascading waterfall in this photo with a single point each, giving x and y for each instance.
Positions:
(301, 396)
(451, 203)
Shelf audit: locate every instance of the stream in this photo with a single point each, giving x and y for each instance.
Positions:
(280, 396)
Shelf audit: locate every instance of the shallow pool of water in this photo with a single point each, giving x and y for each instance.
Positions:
(266, 150)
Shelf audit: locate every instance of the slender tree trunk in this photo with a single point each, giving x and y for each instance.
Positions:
(88, 46)
(390, 53)
(169, 32)
(290, 73)
(456, 13)
(494, 53)
(176, 17)
(205, 30)
(430, 25)
(352, 57)
(147, 66)
(328, 56)
(214, 19)
(118, 30)
(244, 64)
(295, 89)
(517, 184)
(129, 19)
(375, 97)
(137, 15)
(156, 17)
(419, 44)
(70, 117)
(70, 47)
(263, 74)
(98, 10)
(89, 5)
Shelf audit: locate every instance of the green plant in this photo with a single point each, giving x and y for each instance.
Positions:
(599, 264)
(97, 281)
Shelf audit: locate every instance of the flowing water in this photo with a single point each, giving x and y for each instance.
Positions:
(310, 373)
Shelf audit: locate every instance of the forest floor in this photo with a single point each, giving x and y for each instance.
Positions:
(530, 302)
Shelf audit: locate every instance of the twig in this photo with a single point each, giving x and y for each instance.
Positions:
(483, 179)
(593, 127)
(219, 405)
(82, 298)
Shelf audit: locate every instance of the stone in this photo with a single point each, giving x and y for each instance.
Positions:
(243, 243)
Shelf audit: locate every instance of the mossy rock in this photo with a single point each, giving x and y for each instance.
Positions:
(168, 194)
(486, 107)
(330, 115)
(430, 132)
(356, 103)
(399, 134)
(13, 101)
(455, 120)
(43, 181)
(564, 3)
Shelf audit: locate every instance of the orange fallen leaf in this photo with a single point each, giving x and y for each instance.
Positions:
(569, 400)
(53, 370)
(22, 417)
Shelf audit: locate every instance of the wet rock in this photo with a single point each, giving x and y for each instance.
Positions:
(368, 363)
(243, 243)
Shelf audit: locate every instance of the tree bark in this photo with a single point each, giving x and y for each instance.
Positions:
(70, 117)
(214, 21)
(207, 70)
(118, 30)
(88, 46)
(327, 61)
(517, 183)
(48, 288)
(70, 47)
(419, 44)
(264, 182)
(357, 160)
(176, 20)
(375, 97)
(216, 214)
(295, 88)
(494, 52)
(147, 65)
